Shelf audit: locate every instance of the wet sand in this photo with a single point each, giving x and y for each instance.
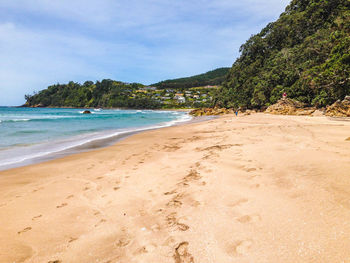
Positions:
(258, 188)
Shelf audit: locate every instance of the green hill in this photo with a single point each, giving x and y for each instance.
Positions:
(105, 93)
(305, 53)
(214, 77)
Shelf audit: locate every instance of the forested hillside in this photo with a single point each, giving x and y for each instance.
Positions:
(214, 77)
(115, 94)
(105, 93)
(305, 53)
(109, 93)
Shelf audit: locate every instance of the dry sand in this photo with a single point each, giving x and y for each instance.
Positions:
(258, 188)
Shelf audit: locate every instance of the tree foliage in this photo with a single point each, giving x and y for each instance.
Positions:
(106, 93)
(305, 53)
(214, 77)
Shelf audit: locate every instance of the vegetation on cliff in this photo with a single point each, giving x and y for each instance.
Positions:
(113, 94)
(305, 53)
(105, 93)
(211, 78)
(196, 91)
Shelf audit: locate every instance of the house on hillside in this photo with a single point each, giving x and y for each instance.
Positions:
(149, 88)
(181, 99)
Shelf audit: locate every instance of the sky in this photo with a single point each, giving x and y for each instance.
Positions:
(44, 42)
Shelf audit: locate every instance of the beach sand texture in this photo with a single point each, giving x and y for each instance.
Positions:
(258, 188)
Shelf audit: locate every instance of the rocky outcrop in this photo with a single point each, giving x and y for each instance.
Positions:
(211, 111)
(86, 112)
(339, 108)
(290, 107)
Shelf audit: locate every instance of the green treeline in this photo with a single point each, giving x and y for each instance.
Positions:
(305, 53)
(115, 94)
(213, 78)
(105, 93)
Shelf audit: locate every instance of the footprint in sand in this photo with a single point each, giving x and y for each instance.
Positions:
(242, 247)
(182, 255)
(250, 170)
(40, 188)
(24, 230)
(193, 175)
(123, 242)
(249, 219)
(174, 202)
(61, 205)
(172, 221)
(239, 202)
(91, 166)
(69, 196)
(36, 217)
(100, 222)
(54, 261)
(72, 239)
(170, 193)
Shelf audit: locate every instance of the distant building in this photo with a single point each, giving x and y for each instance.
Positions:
(149, 88)
(181, 99)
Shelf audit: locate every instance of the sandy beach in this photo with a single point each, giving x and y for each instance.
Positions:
(258, 188)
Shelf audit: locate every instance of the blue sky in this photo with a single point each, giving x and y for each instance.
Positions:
(44, 42)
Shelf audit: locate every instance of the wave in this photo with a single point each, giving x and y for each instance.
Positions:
(41, 118)
(15, 120)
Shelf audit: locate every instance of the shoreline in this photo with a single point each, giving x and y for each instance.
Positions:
(104, 108)
(257, 188)
(95, 143)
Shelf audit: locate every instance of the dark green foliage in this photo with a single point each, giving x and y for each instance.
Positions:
(107, 93)
(305, 53)
(214, 77)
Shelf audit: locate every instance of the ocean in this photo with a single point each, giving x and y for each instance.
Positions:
(31, 135)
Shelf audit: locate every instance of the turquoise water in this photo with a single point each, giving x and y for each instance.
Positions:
(29, 135)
